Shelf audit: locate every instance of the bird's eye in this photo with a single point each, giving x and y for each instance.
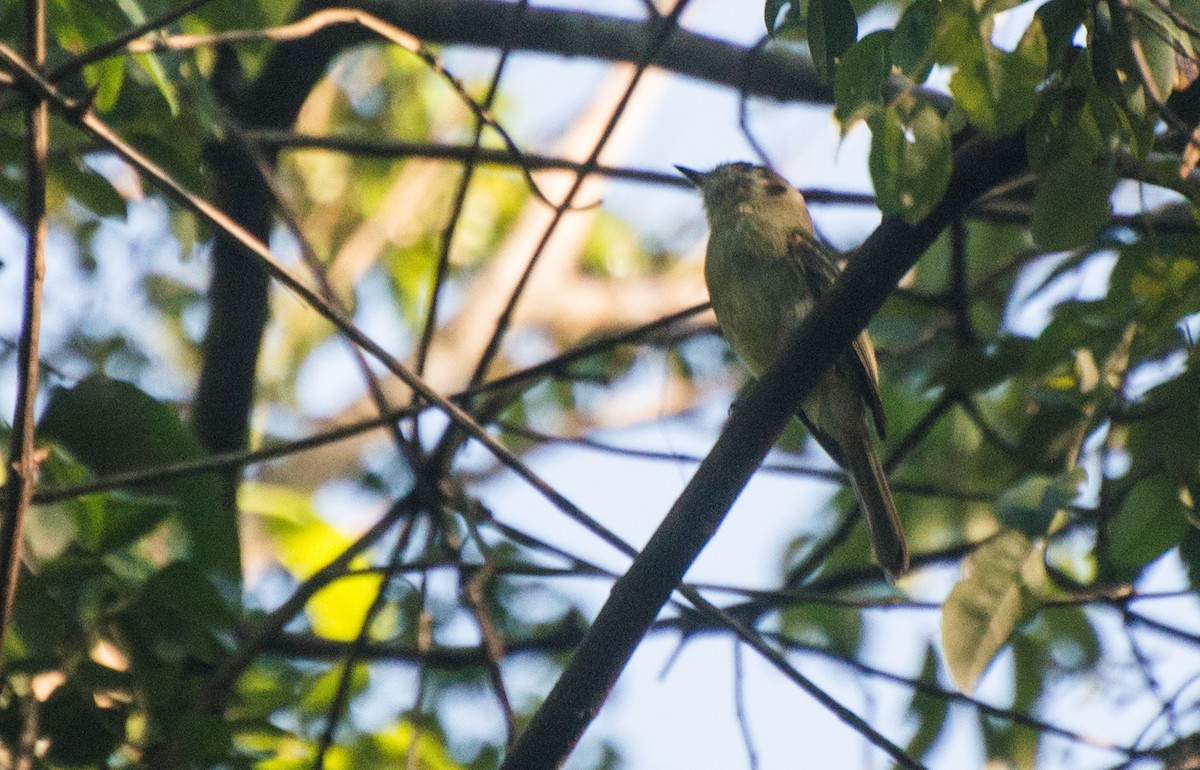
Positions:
(775, 188)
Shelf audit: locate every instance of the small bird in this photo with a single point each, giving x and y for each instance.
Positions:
(765, 269)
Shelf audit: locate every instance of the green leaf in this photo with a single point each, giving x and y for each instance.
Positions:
(80, 26)
(912, 40)
(1157, 36)
(305, 543)
(403, 739)
(107, 522)
(79, 731)
(930, 711)
(1074, 644)
(977, 368)
(112, 427)
(1072, 204)
(832, 29)
(1030, 506)
(40, 623)
(1152, 519)
(153, 66)
(88, 187)
(188, 606)
(1060, 20)
(825, 626)
(861, 77)
(321, 690)
(1165, 441)
(997, 90)
(151, 63)
(910, 159)
(989, 604)
(105, 78)
(205, 738)
(1075, 118)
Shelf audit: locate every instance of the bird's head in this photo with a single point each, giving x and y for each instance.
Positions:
(733, 190)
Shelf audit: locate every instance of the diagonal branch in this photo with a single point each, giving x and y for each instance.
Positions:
(256, 253)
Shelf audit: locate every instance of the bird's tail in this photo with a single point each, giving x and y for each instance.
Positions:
(883, 522)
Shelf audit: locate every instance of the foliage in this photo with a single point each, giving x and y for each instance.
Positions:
(1053, 463)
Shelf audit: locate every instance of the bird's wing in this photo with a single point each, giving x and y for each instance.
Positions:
(817, 260)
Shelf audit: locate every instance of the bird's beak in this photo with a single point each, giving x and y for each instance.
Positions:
(695, 177)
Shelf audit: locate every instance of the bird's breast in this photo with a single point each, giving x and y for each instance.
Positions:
(758, 294)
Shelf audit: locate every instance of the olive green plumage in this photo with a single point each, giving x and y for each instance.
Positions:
(765, 269)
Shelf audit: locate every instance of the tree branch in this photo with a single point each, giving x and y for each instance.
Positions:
(22, 468)
(777, 72)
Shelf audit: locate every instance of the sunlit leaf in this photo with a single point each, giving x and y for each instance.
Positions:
(398, 742)
(987, 605)
(305, 543)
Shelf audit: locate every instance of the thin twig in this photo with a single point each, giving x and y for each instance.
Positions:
(83, 117)
(341, 696)
(960, 296)
(951, 696)
(744, 101)
(834, 475)
(116, 44)
(424, 626)
(256, 638)
(739, 705)
(668, 26)
(460, 195)
(393, 148)
(222, 461)
(492, 645)
(22, 459)
(755, 640)
(522, 378)
(404, 446)
(319, 20)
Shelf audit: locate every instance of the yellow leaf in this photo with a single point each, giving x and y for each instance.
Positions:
(304, 543)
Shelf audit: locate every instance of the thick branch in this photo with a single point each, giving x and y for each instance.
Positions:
(764, 410)
(777, 73)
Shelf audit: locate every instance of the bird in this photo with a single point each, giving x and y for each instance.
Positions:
(766, 268)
